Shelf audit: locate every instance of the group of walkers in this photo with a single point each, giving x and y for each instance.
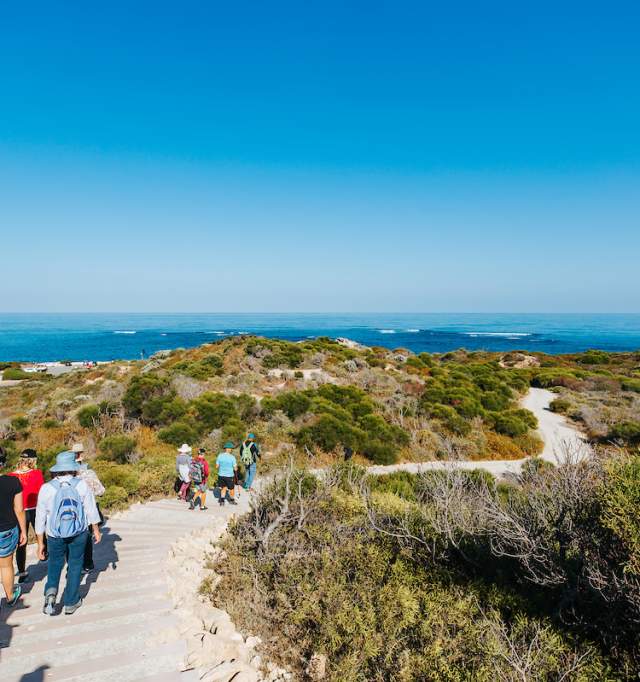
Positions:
(64, 515)
(193, 472)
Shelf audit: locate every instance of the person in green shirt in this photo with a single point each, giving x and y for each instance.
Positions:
(227, 466)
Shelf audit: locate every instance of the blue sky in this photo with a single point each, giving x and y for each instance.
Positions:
(351, 156)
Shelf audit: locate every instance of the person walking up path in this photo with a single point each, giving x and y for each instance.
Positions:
(183, 463)
(13, 533)
(90, 477)
(199, 475)
(249, 456)
(226, 466)
(66, 508)
(32, 479)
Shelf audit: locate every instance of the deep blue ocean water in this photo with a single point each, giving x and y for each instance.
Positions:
(110, 336)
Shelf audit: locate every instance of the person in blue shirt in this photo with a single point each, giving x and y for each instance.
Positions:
(227, 466)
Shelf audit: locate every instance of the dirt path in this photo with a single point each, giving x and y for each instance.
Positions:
(559, 437)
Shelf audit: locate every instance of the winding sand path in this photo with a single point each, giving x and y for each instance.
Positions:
(559, 437)
(129, 628)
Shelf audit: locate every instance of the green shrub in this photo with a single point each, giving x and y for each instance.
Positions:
(628, 432)
(631, 385)
(178, 433)
(113, 474)
(207, 367)
(509, 425)
(293, 403)
(163, 410)
(115, 497)
(88, 416)
(117, 448)
(20, 423)
(594, 357)
(560, 405)
(213, 410)
(143, 389)
(380, 452)
(16, 374)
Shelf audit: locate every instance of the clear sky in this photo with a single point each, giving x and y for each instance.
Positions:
(320, 156)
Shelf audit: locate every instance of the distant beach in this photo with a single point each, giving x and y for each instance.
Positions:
(99, 337)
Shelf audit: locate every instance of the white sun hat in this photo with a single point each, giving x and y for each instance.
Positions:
(77, 448)
(184, 449)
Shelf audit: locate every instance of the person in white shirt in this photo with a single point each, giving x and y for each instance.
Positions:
(66, 528)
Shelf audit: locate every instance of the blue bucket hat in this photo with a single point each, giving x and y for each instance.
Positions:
(229, 444)
(65, 461)
(251, 436)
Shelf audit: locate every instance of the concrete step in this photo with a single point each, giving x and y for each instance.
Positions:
(41, 623)
(63, 627)
(76, 639)
(121, 667)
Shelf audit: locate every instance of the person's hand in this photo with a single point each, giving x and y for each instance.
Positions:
(97, 535)
(42, 554)
(23, 539)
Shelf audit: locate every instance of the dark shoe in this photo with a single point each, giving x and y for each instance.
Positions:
(23, 577)
(88, 568)
(191, 507)
(69, 610)
(232, 502)
(17, 591)
(204, 508)
(221, 502)
(49, 604)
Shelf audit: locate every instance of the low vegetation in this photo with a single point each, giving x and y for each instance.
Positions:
(311, 400)
(444, 576)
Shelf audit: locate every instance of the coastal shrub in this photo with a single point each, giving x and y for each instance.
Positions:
(628, 432)
(449, 419)
(246, 406)
(115, 497)
(207, 367)
(499, 447)
(631, 385)
(117, 448)
(20, 423)
(530, 443)
(380, 452)
(293, 403)
(88, 416)
(163, 410)
(178, 433)
(114, 474)
(143, 389)
(593, 357)
(379, 605)
(213, 410)
(7, 365)
(509, 424)
(560, 405)
(16, 374)
(50, 423)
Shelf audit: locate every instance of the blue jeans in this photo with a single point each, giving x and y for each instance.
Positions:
(250, 475)
(70, 550)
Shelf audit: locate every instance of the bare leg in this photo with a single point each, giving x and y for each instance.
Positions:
(6, 572)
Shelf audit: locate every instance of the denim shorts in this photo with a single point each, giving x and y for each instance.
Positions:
(9, 541)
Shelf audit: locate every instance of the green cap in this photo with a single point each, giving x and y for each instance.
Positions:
(229, 444)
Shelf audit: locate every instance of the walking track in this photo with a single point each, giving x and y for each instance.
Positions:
(128, 629)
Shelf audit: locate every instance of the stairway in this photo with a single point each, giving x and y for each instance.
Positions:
(127, 628)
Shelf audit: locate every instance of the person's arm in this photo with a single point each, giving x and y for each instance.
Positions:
(41, 521)
(91, 510)
(235, 463)
(18, 508)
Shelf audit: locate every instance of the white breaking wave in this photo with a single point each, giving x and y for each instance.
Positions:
(123, 332)
(163, 334)
(506, 335)
(413, 331)
(387, 331)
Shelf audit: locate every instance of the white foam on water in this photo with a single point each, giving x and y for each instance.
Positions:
(506, 335)
(387, 331)
(413, 331)
(124, 332)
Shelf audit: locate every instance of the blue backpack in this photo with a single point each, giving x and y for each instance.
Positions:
(68, 519)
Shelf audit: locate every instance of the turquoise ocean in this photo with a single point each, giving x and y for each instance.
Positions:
(110, 336)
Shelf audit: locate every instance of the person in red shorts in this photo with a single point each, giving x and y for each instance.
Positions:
(32, 479)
